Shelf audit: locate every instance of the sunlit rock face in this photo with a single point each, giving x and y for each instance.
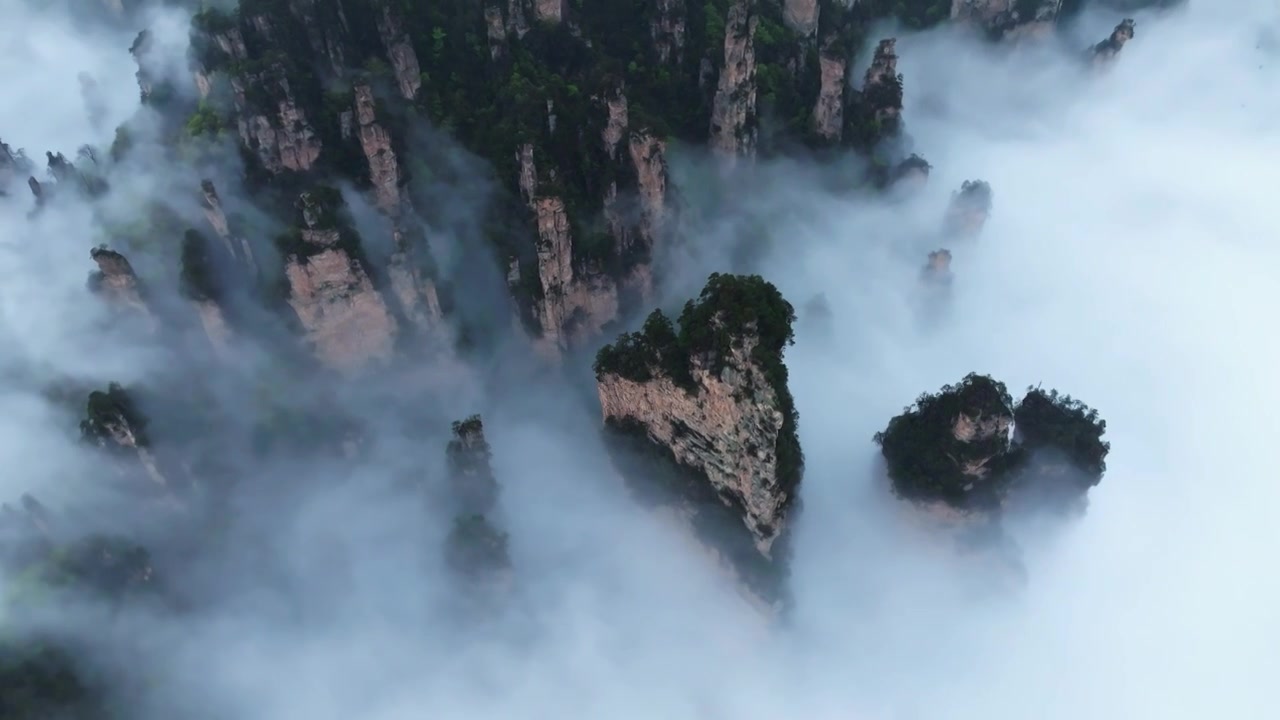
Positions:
(116, 281)
(734, 107)
(345, 319)
(710, 406)
(969, 451)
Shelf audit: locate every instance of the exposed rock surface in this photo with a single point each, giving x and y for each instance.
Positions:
(828, 111)
(375, 141)
(971, 450)
(1008, 18)
(238, 248)
(116, 281)
(114, 422)
(801, 16)
(649, 158)
(733, 112)
(549, 11)
(418, 296)
(344, 316)
(667, 30)
(199, 283)
(1106, 51)
(910, 174)
(573, 304)
(713, 400)
(278, 130)
(969, 209)
(475, 549)
(404, 61)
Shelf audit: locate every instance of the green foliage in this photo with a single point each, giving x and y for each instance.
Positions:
(204, 121)
(41, 681)
(1049, 421)
(926, 457)
(730, 311)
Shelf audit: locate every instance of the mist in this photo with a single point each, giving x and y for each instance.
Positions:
(1127, 260)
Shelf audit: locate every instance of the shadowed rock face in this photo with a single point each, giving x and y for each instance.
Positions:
(969, 209)
(970, 449)
(475, 548)
(1106, 51)
(937, 271)
(712, 402)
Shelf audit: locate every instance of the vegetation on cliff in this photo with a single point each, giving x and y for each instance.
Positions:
(475, 547)
(732, 312)
(108, 411)
(968, 444)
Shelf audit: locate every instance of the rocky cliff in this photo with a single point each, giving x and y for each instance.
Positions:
(711, 398)
(968, 211)
(116, 281)
(345, 318)
(114, 422)
(733, 112)
(475, 549)
(1008, 18)
(970, 449)
(1106, 51)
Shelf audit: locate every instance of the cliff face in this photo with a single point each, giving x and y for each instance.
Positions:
(969, 209)
(303, 76)
(1106, 51)
(733, 111)
(801, 16)
(343, 315)
(116, 281)
(712, 400)
(399, 49)
(1008, 18)
(274, 127)
(475, 548)
(375, 141)
(727, 429)
(237, 247)
(882, 86)
(828, 111)
(667, 29)
(114, 422)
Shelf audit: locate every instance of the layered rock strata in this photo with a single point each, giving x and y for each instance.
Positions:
(711, 400)
(345, 319)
